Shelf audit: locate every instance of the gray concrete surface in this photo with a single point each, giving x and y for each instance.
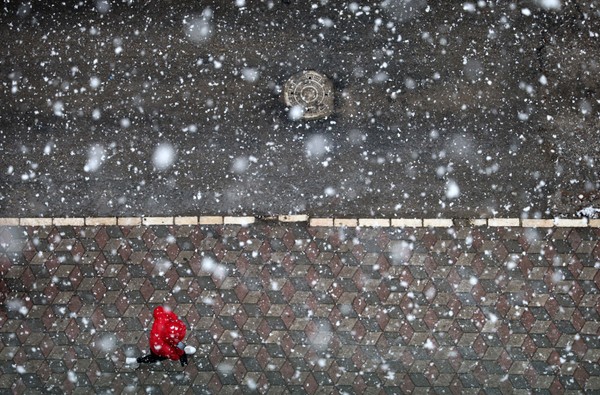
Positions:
(499, 100)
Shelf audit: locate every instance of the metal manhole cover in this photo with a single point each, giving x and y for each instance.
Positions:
(309, 92)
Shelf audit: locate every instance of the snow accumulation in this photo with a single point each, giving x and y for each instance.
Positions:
(590, 212)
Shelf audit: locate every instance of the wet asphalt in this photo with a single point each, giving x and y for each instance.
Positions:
(447, 109)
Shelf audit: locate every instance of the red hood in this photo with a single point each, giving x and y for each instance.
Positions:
(167, 332)
(160, 312)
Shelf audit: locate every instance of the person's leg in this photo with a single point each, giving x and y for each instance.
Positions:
(150, 358)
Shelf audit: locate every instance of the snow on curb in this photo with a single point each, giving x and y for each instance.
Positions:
(313, 222)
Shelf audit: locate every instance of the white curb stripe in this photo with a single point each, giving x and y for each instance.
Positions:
(293, 218)
(321, 222)
(407, 222)
(374, 222)
(186, 220)
(537, 223)
(101, 221)
(35, 222)
(129, 221)
(229, 220)
(506, 222)
(438, 222)
(313, 222)
(157, 221)
(68, 221)
(348, 222)
(210, 220)
(570, 223)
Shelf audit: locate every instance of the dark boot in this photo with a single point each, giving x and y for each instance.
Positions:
(150, 358)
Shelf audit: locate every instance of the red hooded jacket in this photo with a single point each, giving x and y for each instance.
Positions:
(167, 331)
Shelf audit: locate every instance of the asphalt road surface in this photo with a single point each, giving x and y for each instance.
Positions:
(442, 108)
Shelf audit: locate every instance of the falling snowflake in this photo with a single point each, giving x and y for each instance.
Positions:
(296, 112)
(199, 28)
(452, 190)
(107, 343)
(550, 4)
(250, 74)
(164, 156)
(17, 305)
(162, 266)
(96, 156)
(217, 270)
(316, 146)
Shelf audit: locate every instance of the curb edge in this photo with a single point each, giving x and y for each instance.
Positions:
(312, 221)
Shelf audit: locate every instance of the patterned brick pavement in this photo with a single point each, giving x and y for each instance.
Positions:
(277, 308)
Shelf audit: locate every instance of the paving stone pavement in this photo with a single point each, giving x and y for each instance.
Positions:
(285, 308)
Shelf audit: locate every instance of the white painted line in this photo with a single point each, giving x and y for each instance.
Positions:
(438, 222)
(146, 221)
(210, 220)
(129, 221)
(407, 222)
(101, 221)
(229, 220)
(321, 222)
(374, 222)
(9, 221)
(537, 223)
(293, 218)
(571, 223)
(186, 220)
(507, 222)
(316, 222)
(348, 222)
(35, 221)
(68, 221)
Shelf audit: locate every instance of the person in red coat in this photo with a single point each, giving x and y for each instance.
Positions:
(166, 338)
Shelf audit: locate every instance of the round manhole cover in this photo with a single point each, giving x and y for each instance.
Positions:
(309, 94)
